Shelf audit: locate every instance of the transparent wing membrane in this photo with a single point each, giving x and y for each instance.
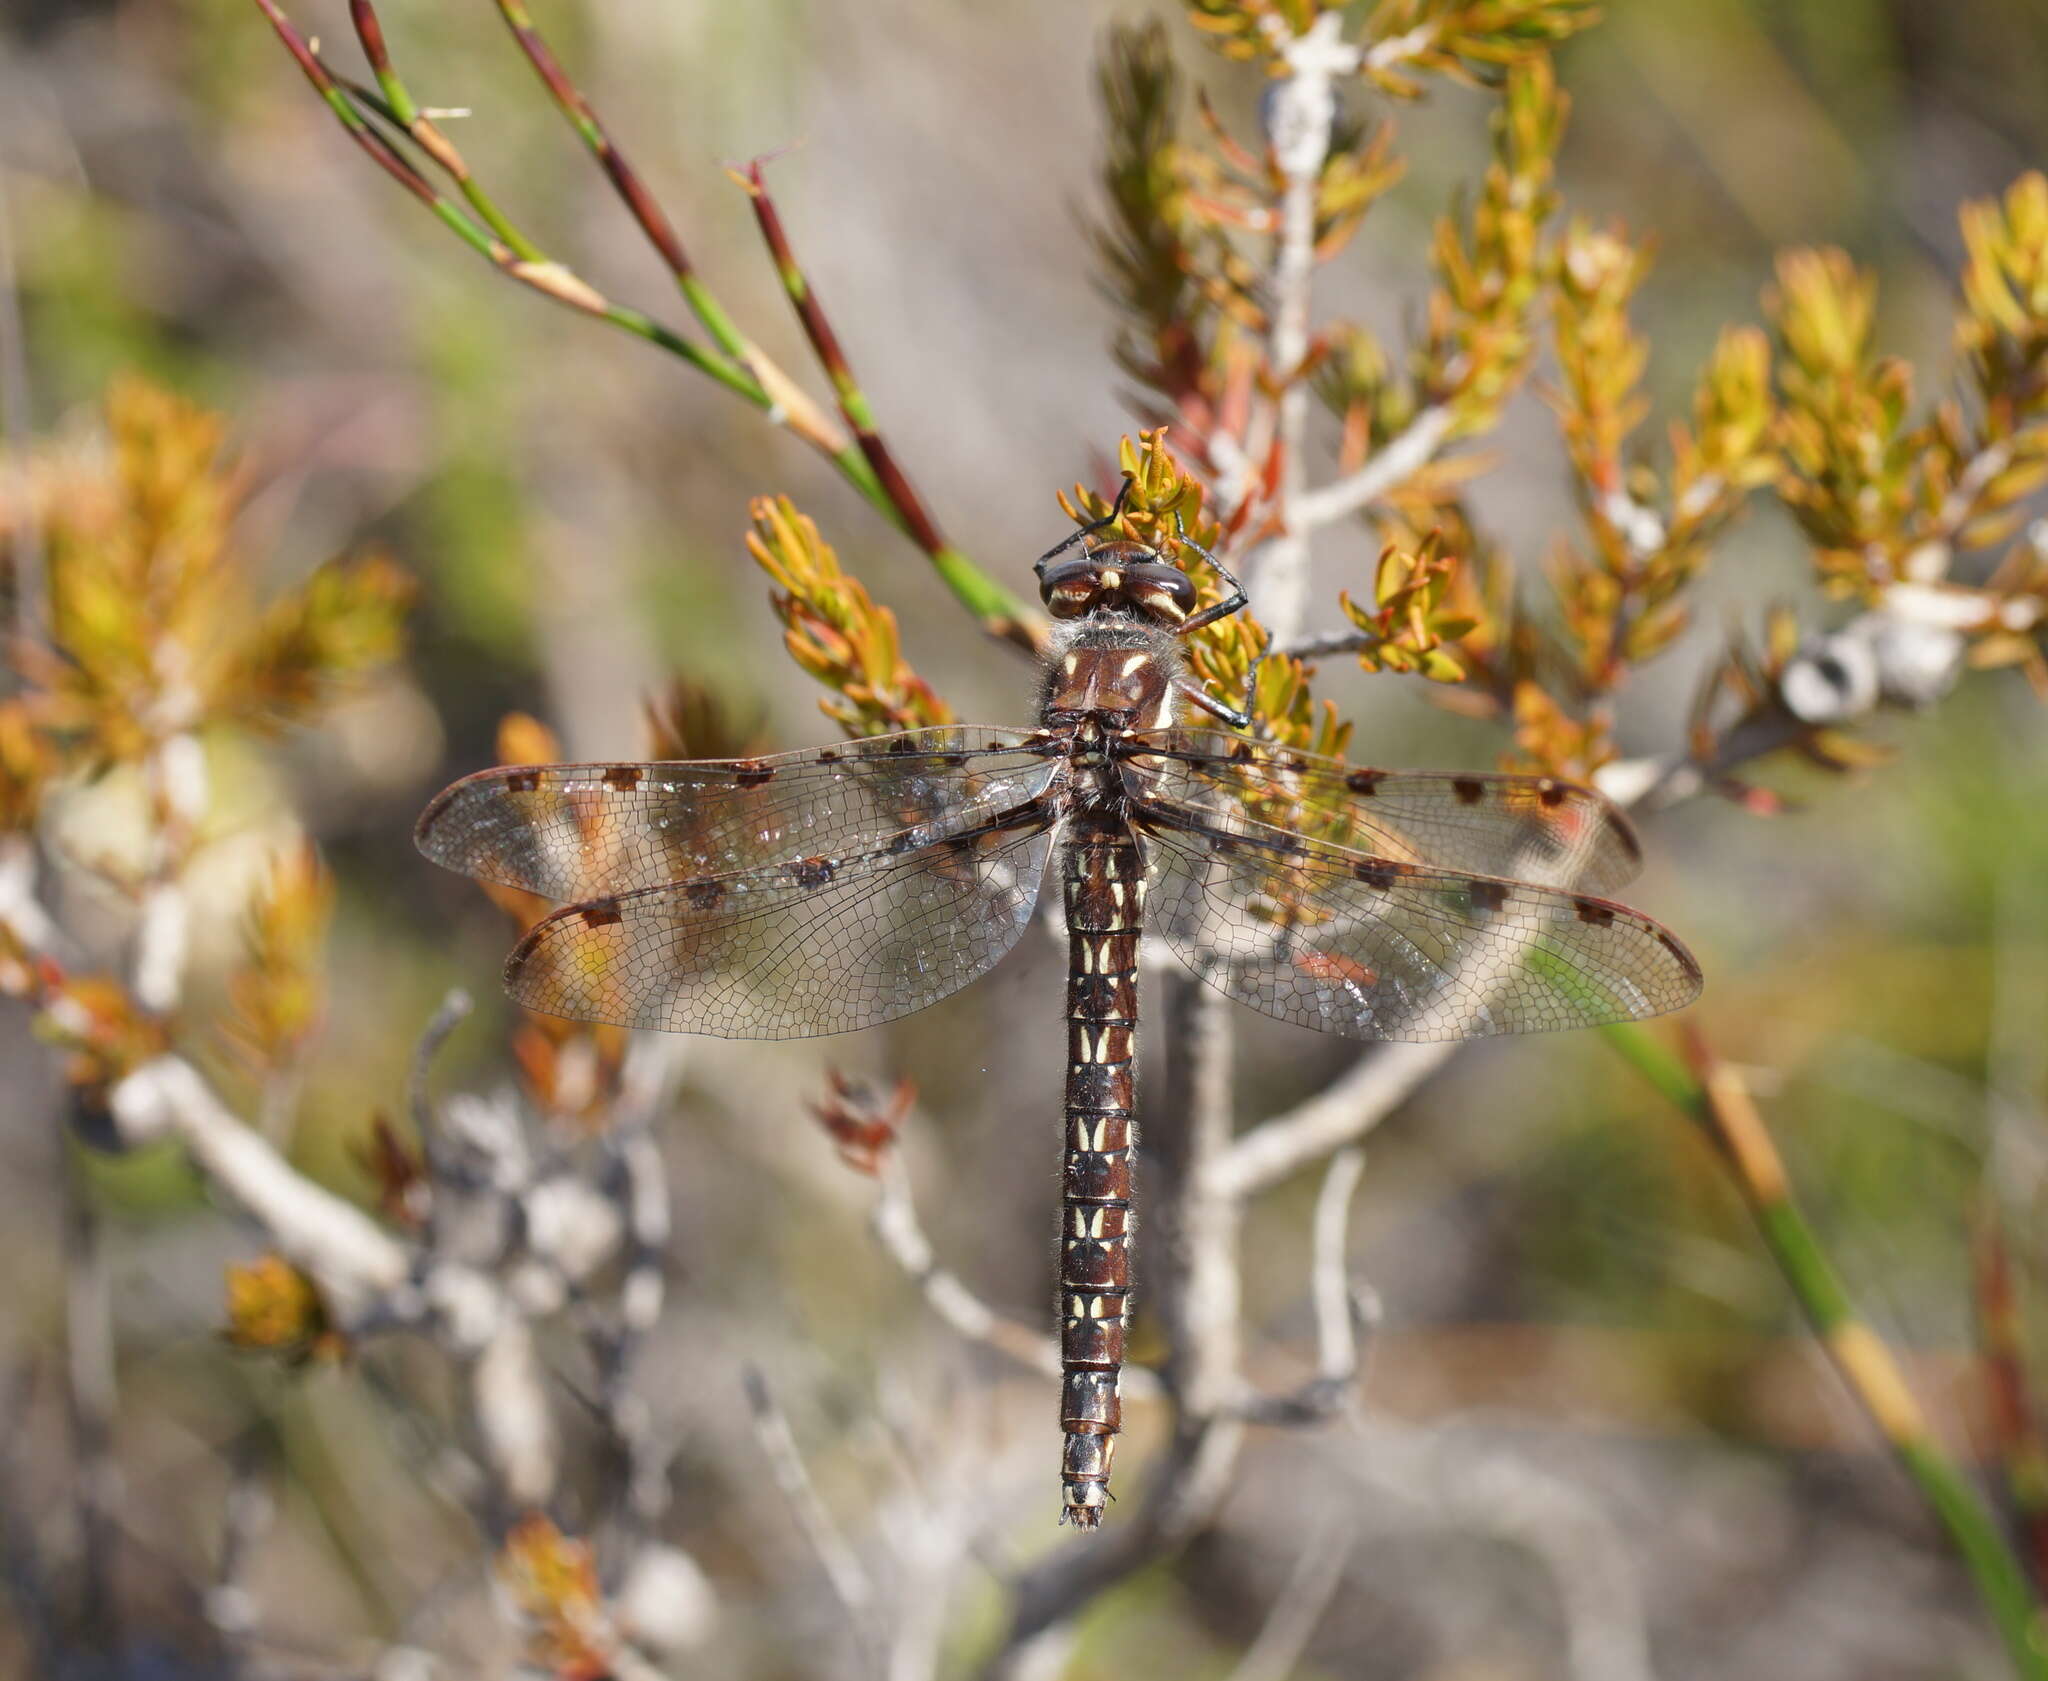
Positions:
(1373, 948)
(1519, 827)
(817, 945)
(571, 832)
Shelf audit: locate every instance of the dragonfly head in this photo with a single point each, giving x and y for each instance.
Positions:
(1118, 577)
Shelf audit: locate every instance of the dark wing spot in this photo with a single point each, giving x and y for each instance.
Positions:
(812, 872)
(828, 755)
(1686, 960)
(1596, 911)
(1366, 782)
(1377, 874)
(1469, 789)
(751, 773)
(622, 776)
(522, 781)
(1551, 793)
(704, 894)
(903, 744)
(1487, 896)
(1242, 753)
(600, 913)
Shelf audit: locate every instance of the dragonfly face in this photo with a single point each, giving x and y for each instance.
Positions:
(841, 887)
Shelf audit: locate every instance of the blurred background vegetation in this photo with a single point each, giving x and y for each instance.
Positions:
(1569, 1284)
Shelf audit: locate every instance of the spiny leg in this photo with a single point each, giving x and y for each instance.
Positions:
(1237, 717)
(1116, 508)
(1233, 602)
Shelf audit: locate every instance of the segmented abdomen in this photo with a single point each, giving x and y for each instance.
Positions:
(1104, 884)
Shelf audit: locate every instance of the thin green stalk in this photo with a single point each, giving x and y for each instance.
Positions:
(735, 364)
(998, 611)
(654, 223)
(548, 278)
(401, 109)
(1713, 1095)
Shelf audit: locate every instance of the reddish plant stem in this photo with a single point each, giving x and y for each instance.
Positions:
(859, 414)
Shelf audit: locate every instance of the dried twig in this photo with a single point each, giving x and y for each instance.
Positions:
(1342, 1308)
(1284, 1636)
(842, 1566)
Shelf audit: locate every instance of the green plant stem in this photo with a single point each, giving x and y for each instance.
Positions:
(1000, 613)
(399, 107)
(536, 272)
(1713, 1096)
(732, 360)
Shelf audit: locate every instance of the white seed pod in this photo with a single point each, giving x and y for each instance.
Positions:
(1832, 678)
(467, 1303)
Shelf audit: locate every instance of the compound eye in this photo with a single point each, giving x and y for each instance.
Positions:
(1067, 590)
(1164, 588)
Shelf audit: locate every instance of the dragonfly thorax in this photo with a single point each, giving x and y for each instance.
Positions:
(1110, 671)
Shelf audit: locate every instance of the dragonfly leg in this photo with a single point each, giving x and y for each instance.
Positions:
(1116, 509)
(1237, 717)
(1234, 602)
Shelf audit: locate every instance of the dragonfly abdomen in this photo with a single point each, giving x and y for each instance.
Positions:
(1104, 883)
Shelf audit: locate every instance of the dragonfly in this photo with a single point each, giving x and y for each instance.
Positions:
(837, 888)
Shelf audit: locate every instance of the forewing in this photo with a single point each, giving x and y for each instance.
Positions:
(571, 832)
(817, 946)
(1381, 949)
(1516, 827)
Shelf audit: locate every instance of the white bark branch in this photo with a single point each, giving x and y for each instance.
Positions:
(1396, 461)
(1370, 1090)
(353, 1260)
(1277, 1651)
(1301, 112)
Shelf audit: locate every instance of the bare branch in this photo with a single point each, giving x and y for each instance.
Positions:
(1396, 461)
(1343, 1310)
(1288, 1628)
(1376, 1084)
(353, 1260)
(842, 1567)
(1336, 1316)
